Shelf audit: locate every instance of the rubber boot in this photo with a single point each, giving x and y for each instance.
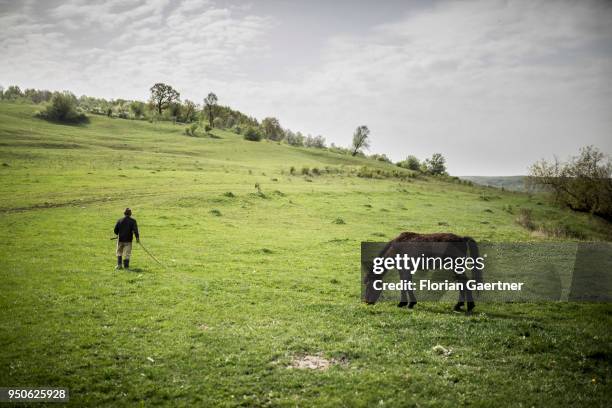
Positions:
(118, 263)
(126, 264)
(458, 307)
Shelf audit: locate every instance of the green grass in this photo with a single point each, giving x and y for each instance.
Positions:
(252, 281)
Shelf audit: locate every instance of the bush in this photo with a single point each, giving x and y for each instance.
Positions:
(583, 183)
(63, 108)
(252, 134)
(525, 219)
(218, 123)
(192, 129)
(305, 171)
(380, 157)
(294, 139)
(411, 163)
(436, 165)
(207, 128)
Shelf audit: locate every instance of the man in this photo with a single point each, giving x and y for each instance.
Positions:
(126, 227)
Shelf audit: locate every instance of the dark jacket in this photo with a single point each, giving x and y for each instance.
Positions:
(125, 227)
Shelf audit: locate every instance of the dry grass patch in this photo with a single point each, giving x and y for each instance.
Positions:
(315, 362)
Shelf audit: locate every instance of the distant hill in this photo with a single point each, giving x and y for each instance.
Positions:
(512, 183)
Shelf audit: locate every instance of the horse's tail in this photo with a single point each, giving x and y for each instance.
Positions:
(474, 253)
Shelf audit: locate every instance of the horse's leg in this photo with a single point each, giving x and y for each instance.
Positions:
(460, 278)
(413, 300)
(464, 295)
(403, 298)
(406, 276)
(470, 300)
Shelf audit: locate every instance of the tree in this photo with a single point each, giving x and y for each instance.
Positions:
(162, 96)
(189, 109)
(137, 108)
(411, 163)
(252, 134)
(272, 129)
(62, 108)
(360, 139)
(317, 141)
(12, 92)
(436, 165)
(294, 139)
(210, 103)
(583, 183)
(174, 110)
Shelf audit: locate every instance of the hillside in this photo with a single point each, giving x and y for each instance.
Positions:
(254, 277)
(512, 183)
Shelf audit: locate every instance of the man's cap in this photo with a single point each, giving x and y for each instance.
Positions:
(127, 211)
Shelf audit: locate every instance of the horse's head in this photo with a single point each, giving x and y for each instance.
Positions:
(371, 282)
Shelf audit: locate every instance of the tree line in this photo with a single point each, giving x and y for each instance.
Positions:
(165, 104)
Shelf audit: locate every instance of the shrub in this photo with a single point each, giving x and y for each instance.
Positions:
(436, 165)
(207, 128)
(218, 122)
(583, 183)
(411, 163)
(63, 108)
(315, 171)
(305, 170)
(561, 230)
(339, 221)
(191, 130)
(294, 139)
(380, 157)
(525, 219)
(292, 170)
(215, 212)
(252, 134)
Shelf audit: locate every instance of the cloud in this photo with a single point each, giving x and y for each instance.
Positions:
(494, 85)
(122, 47)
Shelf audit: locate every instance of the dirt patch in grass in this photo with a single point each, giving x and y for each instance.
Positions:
(315, 362)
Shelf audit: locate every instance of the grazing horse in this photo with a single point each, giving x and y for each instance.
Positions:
(412, 244)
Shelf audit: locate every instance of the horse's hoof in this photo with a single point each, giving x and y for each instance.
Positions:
(402, 304)
(411, 305)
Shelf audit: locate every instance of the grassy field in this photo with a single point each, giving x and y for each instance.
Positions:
(255, 281)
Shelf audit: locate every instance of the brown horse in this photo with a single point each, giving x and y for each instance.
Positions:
(442, 245)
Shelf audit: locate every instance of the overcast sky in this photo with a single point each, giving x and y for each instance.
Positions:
(493, 85)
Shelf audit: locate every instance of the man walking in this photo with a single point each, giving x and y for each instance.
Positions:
(126, 227)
